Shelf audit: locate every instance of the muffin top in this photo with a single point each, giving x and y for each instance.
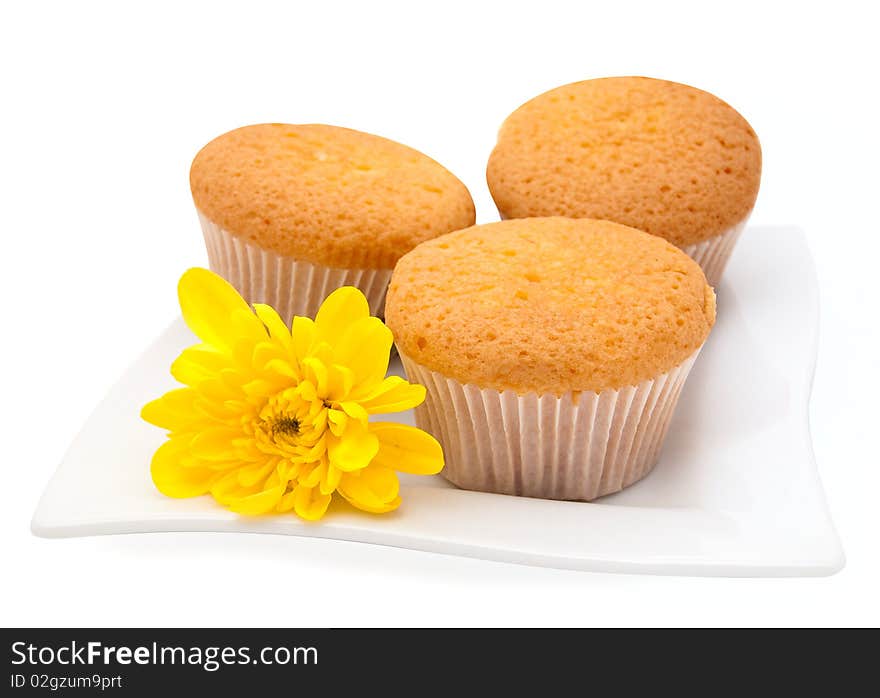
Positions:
(549, 305)
(325, 194)
(660, 156)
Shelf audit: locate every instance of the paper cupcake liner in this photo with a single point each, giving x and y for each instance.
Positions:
(713, 254)
(291, 286)
(576, 447)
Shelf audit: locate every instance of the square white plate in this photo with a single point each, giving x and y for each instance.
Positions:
(736, 491)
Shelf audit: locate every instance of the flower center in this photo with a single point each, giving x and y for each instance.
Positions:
(286, 425)
(291, 426)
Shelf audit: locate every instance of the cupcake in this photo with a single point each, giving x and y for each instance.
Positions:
(662, 157)
(553, 350)
(292, 212)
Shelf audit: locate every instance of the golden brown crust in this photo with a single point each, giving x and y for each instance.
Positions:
(659, 156)
(549, 305)
(325, 194)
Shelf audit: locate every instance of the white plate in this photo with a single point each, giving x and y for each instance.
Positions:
(736, 491)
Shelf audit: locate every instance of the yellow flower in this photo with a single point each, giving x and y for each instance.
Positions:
(276, 418)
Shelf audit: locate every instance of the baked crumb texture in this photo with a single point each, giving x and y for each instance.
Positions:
(327, 195)
(549, 305)
(659, 156)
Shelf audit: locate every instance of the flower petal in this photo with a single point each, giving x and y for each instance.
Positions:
(217, 390)
(214, 443)
(393, 394)
(227, 488)
(340, 380)
(261, 388)
(273, 322)
(339, 311)
(382, 482)
(354, 449)
(309, 503)
(173, 479)
(215, 311)
(317, 473)
(306, 390)
(302, 334)
(365, 347)
(266, 352)
(250, 475)
(198, 363)
(338, 422)
(212, 411)
(316, 373)
(286, 502)
(407, 449)
(174, 411)
(331, 479)
(282, 367)
(374, 489)
(259, 503)
(355, 411)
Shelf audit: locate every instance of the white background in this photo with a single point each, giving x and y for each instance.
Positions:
(103, 108)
